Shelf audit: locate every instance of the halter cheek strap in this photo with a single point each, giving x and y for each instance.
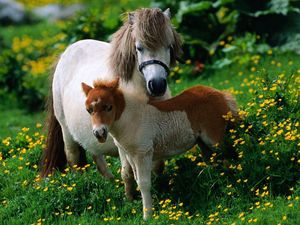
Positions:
(153, 61)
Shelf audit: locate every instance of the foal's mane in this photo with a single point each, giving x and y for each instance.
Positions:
(106, 84)
(153, 29)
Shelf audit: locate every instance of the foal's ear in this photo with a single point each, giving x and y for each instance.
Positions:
(86, 88)
(115, 83)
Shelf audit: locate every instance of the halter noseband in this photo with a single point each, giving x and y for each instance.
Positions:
(153, 61)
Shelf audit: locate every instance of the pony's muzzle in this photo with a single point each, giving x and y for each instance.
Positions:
(157, 86)
(100, 133)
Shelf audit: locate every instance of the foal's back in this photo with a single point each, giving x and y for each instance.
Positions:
(205, 108)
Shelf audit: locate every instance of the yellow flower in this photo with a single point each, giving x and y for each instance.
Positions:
(284, 217)
(69, 188)
(25, 129)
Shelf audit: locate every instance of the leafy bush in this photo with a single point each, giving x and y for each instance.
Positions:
(205, 24)
(25, 69)
(100, 20)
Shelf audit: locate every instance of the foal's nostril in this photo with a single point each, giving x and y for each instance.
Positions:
(96, 133)
(100, 133)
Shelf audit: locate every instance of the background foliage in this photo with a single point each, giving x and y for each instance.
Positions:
(248, 48)
(215, 33)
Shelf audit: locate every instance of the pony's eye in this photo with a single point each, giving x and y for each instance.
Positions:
(90, 110)
(169, 46)
(139, 48)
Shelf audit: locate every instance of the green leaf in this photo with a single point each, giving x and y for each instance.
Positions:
(219, 3)
(185, 8)
(219, 64)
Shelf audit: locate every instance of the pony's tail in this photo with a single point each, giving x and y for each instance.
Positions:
(54, 156)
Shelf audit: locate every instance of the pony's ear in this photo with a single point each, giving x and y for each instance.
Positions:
(130, 18)
(86, 88)
(167, 13)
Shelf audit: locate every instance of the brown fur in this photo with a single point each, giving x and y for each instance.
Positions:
(53, 155)
(205, 108)
(110, 95)
(147, 26)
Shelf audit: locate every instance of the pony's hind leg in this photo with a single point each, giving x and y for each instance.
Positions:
(102, 166)
(74, 152)
(205, 149)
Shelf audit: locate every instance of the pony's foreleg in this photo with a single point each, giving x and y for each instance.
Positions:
(127, 175)
(143, 166)
(102, 166)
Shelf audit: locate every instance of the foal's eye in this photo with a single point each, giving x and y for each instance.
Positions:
(107, 108)
(90, 110)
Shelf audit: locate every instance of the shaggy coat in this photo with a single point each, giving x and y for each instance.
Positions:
(149, 132)
(69, 126)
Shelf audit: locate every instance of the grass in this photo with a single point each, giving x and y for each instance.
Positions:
(13, 119)
(191, 191)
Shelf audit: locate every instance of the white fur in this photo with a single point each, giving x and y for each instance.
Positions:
(154, 135)
(85, 61)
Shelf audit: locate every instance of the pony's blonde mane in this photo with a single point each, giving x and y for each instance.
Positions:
(153, 29)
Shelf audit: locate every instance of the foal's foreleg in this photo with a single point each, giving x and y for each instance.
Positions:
(143, 166)
(127, 175)
(102, 166)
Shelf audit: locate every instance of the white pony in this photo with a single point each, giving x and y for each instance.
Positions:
(140, 53)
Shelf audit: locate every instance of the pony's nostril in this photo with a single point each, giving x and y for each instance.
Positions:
(157, 87)
(150, 85)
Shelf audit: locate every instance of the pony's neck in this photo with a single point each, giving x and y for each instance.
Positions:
(136, 86)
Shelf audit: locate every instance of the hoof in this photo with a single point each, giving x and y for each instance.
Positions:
(147, 214)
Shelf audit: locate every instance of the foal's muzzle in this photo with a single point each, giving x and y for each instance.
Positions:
(156, 86)
(100, 133)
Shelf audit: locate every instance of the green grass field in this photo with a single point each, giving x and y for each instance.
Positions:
(261, 187)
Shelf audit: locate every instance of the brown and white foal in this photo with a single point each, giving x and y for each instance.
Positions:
(145, 133)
